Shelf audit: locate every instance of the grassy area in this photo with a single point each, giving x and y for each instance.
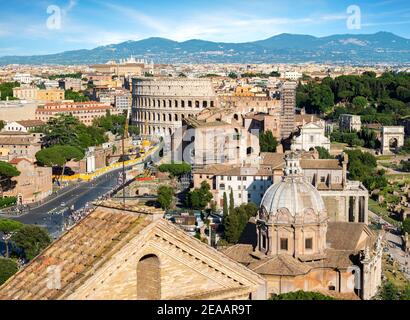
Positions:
(393, 274)
(385, 157)
(381, 211)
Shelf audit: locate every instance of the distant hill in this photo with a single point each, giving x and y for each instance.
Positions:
(381, 47)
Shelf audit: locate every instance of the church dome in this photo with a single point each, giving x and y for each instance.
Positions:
(295, 194)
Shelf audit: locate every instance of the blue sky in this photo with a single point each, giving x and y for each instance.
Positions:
(87, 24)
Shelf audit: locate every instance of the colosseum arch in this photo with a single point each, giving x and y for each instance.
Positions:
(205, 104)
(170, 117)
(176, 103)
(197, 105)
(164, 117)
(176, 117)
(149, 278)
(182, 103)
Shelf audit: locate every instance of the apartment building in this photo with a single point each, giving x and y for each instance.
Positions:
(86, 112)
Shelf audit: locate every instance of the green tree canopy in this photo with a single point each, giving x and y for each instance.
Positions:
(236, 221)
(406, 225)
(267, 142)
(58, 155)
(389, 291)
(165, 196)
(176, 169)
(301, 295)
(7, 170)
(199, 198)
(31, 239)
(323, 153)
(8, 226)
(8, 268)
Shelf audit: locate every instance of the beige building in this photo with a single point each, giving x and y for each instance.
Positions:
(215, 136)
(20, 145)
(33, 184)
(51, 95)
(25, 93)
(294, 247)
(131, 253)
(17, 111)
(33, 93)
(345, 201)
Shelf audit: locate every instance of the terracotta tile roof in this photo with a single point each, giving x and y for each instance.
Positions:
(77, 252)
(275, 160)
(346, 235)
(7, 141)
(18, 160)
(240, 253)
(299, 118)
(31, 123)
(333, 164)
(281, 264)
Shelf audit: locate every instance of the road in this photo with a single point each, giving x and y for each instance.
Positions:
(395, 246)
(52, 214)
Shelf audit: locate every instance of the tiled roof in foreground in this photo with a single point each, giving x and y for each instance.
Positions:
(77, 255)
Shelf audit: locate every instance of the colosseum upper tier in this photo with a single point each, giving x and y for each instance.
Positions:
(160, 104)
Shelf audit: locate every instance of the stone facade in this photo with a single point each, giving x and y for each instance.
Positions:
(33, 184)
(311, 135)
(160, 104)
(350, 122)
(138, 256)
(392, 139)
(294, 247)
(288, 100)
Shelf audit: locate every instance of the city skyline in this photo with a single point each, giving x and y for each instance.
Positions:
(84, 23)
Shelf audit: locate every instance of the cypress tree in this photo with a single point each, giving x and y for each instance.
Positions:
(225, 209)
(231, 203)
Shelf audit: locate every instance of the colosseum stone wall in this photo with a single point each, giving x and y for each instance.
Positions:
(160, 104)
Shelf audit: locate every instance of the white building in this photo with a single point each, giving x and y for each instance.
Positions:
(24, 78)
(292, 75)
(311, 135)
(123, 101)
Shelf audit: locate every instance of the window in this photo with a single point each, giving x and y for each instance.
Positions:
(264, 241)
(284, 244)
(222, 186)
(309, 243)
(312, 138)
(322, 179)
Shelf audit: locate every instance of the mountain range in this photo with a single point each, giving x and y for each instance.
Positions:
(381, 47)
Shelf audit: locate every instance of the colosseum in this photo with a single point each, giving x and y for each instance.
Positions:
(160, 104)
